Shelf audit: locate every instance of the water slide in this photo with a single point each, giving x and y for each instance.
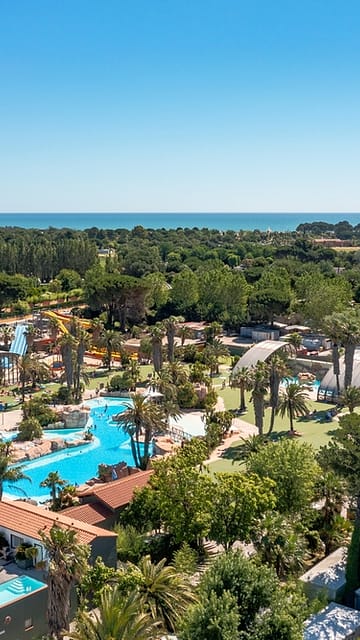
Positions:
(58, 318)
(19, 343)
(63, 319)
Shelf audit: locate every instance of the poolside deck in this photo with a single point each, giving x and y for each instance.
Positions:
(10, 570)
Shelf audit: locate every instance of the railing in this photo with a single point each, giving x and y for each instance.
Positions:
(178, 434)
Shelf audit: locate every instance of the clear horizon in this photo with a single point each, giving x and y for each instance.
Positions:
(180, 107)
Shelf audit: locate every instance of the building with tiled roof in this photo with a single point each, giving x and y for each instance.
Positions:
(21, 522)
(23, 610)
(102, 503)
(94, 514)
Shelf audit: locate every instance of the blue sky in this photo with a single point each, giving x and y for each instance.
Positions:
(180, 105)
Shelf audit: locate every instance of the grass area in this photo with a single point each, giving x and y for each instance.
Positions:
(316, 431)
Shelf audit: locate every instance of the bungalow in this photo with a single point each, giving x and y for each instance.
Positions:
(101, 504)
(336, 622)
(20, 522)
(23, 592)
(327, 577)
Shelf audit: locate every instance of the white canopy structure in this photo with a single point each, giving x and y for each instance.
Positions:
(260, 352)
(328, 390)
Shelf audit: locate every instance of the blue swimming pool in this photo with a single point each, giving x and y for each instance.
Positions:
(76, 465)
(313, 383)
(18, 587)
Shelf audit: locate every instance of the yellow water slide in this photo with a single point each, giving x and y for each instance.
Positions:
(85, 324)
(58, 318)
(63, 319)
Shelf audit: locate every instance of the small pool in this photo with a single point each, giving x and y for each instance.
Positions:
(310, 383)
(68, 435)
(18, 587)
(76, 465)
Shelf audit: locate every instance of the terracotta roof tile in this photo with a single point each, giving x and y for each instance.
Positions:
(89, 513)
(27, 519)
(119, 493)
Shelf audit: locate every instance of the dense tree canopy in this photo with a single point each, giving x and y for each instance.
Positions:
(293, 468)
(239, 599)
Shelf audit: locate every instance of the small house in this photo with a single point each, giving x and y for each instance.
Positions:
(327, 576)
(335, 622)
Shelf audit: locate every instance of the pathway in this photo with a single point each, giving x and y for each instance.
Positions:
(239, 429)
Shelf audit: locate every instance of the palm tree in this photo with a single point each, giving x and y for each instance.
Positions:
(97, 328)
(346, 325)
(7, 334)
(278, 370)
(242, 380)
(24, 372)
(112, 341)
(31, 369)
(292, 401)
(140, 421)
(82, 339)
(8, 472)
(212, 352)
(134, 371)
(54, 482)
(68, 345)
(175, 373)
(163, 593)
(54, 326)
(170, 325)
(211, 331)
(332, 491)
(157, 333)
(350, 398)
(334, 331)
(260, 383)
(250, 444)
(163, 384)
(68, 563)
(295, 340)
(280, 545)
(31, 333)
(184, 332)
(118, 617)
(171, 410)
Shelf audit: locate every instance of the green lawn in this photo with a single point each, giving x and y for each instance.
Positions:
(316, 432)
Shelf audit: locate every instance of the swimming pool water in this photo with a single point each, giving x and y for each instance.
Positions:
(76, 465)
(312, 383)
(18, 587)
(66, 434)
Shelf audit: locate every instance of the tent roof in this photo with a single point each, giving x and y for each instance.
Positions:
(260, 352)
(329, 380)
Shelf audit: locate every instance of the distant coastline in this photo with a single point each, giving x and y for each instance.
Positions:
(220, 221)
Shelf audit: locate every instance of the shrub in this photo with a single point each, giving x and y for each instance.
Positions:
(209, 401)
(159, 546)
(185, 559)
(190, 353)
(213, 435)
(129, 544)
(352, 565)
(186, 396)
(64, 395)
(39, 409)
(29, 429)
(121, 382)
(21, 307)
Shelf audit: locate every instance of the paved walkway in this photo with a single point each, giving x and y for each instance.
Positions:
(239, 429)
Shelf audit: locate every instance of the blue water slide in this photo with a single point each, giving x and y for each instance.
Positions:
(19, 343)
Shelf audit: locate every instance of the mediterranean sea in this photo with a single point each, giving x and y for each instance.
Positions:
(220, 221)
